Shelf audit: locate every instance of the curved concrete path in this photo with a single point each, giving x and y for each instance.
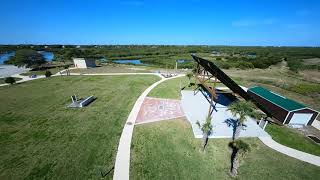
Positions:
(309, 158)
(23, 79)
(122, 164)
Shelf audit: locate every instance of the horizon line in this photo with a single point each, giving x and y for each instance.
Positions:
(52, 44)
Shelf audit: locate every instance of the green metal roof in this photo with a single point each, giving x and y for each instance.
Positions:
(277, 99)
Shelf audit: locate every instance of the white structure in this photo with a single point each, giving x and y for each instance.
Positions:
(84, 63)
(316, 124)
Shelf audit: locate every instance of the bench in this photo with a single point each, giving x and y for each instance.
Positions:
(86, 101)
(80, 103)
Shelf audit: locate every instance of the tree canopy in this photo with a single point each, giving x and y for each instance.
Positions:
(27, 57)
(242, 108)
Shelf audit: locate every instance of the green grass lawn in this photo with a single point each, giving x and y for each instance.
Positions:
(169, 89)
(290, 138)
(112, 68)
(168, 150)
(2, 80)
(42, 139)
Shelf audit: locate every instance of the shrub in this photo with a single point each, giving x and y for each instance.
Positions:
(294, 65)
(305, 88)
(48, 73)
(10, 80)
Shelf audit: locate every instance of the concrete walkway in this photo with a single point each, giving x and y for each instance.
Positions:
(309, 158)
(23, 78)
(122, 164)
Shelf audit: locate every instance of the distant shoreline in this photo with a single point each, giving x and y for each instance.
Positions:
(9, 70)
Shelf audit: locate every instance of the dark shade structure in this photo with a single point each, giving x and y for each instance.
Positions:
(283, 109)
(211, 68)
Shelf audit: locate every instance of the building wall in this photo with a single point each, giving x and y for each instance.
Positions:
(79, 63)
(84, 63)
(91, 62)
(316, 124)
(309, 111)
(275, 111)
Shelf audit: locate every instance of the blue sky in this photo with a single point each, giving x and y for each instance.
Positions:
(209, 22)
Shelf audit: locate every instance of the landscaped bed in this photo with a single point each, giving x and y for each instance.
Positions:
(40, 138)
(290, 138)
(168, 150)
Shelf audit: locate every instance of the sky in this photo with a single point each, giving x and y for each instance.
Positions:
(172, 22)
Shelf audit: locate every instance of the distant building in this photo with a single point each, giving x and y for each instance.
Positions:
(84, 63)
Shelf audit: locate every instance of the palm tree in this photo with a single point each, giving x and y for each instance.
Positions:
(189, 75)
(242, 109)
(239, 151)
(206, 129)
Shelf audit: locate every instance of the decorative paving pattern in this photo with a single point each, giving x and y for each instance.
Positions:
(156, 109)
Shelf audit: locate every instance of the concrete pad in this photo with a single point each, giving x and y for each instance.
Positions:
(156, 109)
(196, 109)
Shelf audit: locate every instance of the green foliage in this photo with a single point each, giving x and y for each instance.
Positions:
(40, 137)
(171, 144)
(189, 75)
(48, 73)
(294, 65)
(27, 57)
(291, 138)
(10, 80)
(166, 56)
(241, 147)
(305, 88)
(206, 127)
(242, 108)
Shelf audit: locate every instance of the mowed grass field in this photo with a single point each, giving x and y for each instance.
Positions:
(290, 138)
(40, 138)
(169, 89)
(168, 150)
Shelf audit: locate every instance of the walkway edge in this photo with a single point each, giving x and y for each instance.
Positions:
(309, 158)
(122, 164)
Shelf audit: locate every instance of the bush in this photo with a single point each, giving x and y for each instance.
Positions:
(10, 80)
(294, 65)
(225, 65)
(48, 73)
(305, 88)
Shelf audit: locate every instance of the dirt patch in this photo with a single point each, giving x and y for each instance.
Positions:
(311, 75)
(311, 61)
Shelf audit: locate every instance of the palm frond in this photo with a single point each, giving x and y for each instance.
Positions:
(241, 108)
(206, 127)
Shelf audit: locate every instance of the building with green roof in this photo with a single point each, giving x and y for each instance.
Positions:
(285, 110)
